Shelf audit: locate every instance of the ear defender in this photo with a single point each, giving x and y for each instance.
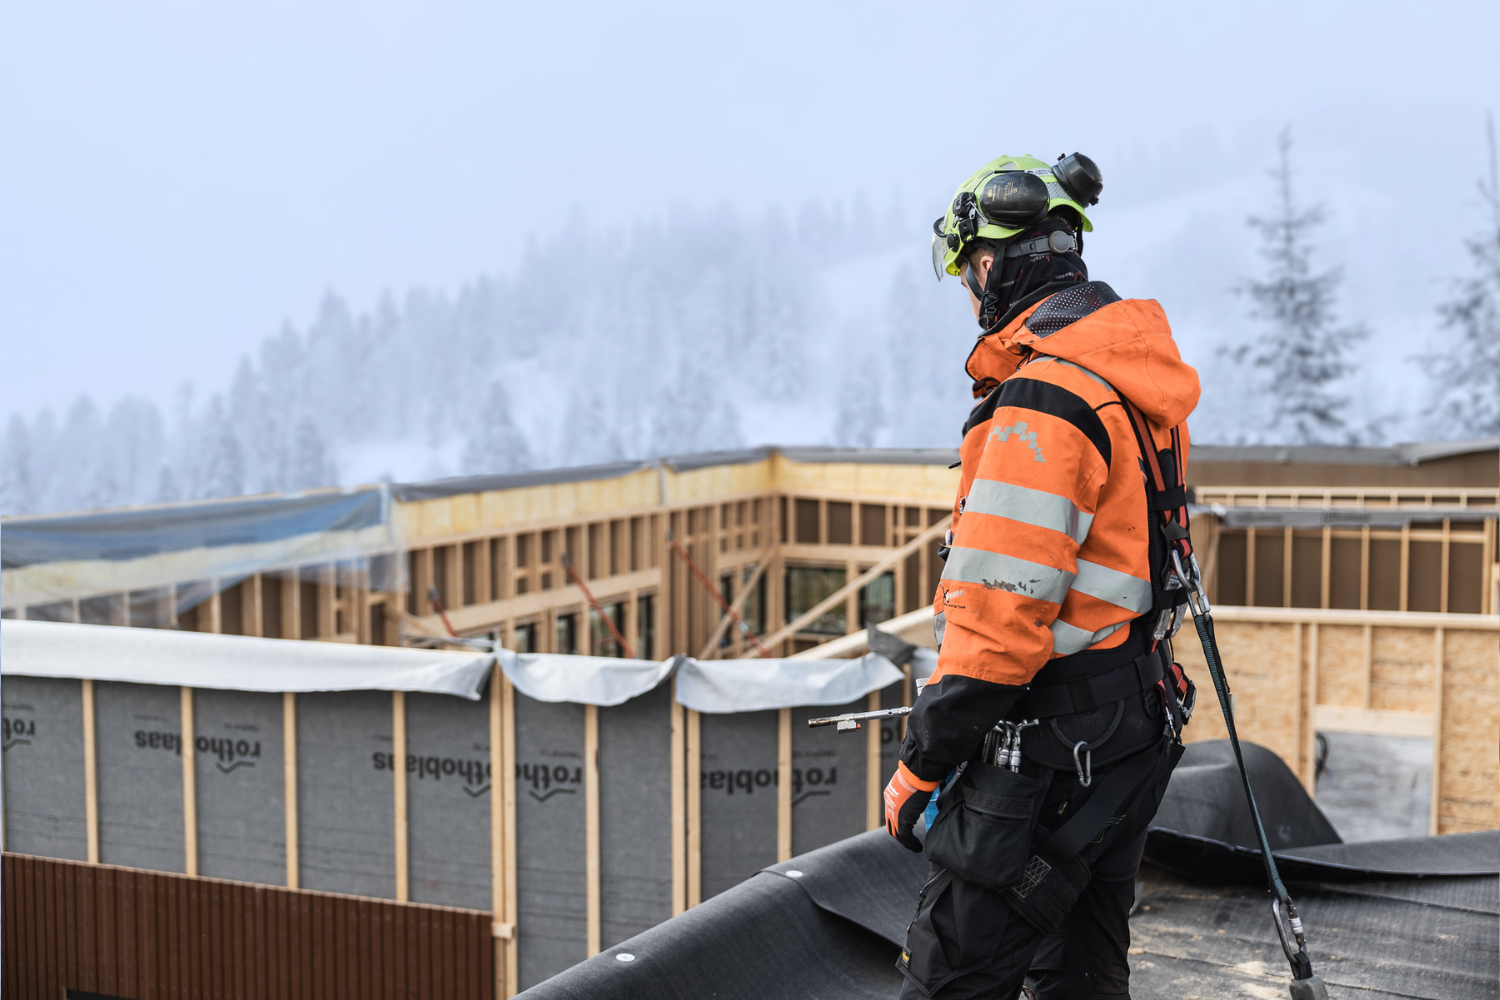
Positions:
(1080, 177)
(1014, 199)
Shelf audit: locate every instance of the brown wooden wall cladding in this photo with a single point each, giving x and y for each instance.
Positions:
(145, 935)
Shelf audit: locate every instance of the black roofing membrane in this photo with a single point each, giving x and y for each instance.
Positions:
(829, 923)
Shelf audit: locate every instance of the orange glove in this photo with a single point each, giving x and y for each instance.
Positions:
(905, 799)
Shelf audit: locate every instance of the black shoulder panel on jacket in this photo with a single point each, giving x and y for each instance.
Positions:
(1044, 397)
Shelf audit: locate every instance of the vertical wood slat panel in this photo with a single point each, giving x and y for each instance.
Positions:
(679, 802)
(873, 800)
(784, 784)
(289, 787)
(87, 901)
(1434, 809)
(398, 740)
(90, 771)
(592, 901)
(128, 932)
(188, 739)
(498, 871)
(47, 897)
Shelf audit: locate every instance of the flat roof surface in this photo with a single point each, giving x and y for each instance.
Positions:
(1396, 454)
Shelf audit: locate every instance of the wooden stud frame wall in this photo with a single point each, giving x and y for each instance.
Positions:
(1433, 583)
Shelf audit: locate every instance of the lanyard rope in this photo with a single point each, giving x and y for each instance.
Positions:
(1304, 983)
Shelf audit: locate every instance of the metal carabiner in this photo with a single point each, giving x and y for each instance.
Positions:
(1015, 749)
(1281, 930)
(1085, 768)
(1193, 582)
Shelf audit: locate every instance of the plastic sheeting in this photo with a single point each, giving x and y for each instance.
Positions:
(214, 544)
(719, 686)
(245, 663)
(232, 662)
(589, 680)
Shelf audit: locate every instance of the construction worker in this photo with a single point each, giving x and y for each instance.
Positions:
(1055, 696)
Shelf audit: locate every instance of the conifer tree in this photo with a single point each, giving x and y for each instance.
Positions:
(17, 495)
(1466, 371)
(496, 444)
(1303, 350)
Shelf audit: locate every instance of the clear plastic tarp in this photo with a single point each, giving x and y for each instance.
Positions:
(141, 557)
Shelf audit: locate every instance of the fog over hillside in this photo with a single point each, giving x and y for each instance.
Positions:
(708, 329)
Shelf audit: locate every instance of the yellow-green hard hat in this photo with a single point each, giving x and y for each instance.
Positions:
(1009, 195)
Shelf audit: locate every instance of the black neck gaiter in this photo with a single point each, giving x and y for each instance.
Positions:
(1017, 281)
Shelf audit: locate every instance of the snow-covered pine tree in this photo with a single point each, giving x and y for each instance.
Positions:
(1304, 351)
(496, 445)
(220, 459)
(1466, 373)
(17, 495)
(166, 486)
(860, 416)
(310, 467)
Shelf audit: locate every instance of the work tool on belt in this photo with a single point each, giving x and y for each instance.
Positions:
(1306, 985)
(1002, 747)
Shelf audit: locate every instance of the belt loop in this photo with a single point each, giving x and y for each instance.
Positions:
(1148, 668)
(1081, 690)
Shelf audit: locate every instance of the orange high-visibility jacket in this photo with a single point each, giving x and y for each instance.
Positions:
(1049, 549)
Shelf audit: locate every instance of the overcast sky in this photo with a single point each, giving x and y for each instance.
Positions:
(179, 179)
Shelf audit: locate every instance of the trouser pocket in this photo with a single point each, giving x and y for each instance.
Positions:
(924, 960)
(984, 825)
(959, 929)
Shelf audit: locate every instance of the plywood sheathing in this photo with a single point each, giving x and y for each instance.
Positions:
(1401, 669)
(1469, 766)
(1263, 677)
(1341, 665)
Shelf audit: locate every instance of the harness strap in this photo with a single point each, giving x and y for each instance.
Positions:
(1067, 840)
(1081, 695)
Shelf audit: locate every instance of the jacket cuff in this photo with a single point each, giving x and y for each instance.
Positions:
(921, 769)
(915, 781)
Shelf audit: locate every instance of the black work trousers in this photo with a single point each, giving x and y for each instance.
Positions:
(989, 949)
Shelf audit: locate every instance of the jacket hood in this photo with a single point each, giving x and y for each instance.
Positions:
(1128, 343)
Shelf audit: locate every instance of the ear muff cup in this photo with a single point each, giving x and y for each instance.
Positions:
(1014, 199)
(1080, 177)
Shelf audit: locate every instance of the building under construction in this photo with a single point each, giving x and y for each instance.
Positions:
(1355, 590)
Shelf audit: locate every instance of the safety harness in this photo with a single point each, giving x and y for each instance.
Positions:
(1176, 589)
(1053, 693)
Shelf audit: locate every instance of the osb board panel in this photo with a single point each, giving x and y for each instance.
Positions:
(928, 484)
(439, 518)
(1470, 742)
(1341, 665)
(715, 481)
(1261, 671)
(500, 509)
(1401, 665)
